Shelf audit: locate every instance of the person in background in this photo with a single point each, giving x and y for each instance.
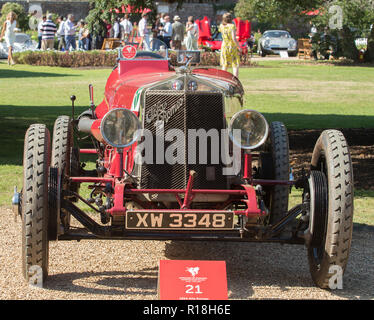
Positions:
(162, 18)
(81, 39)
(192, 34)
(61, 33)
(116, 29)
(8, 33)
(86, 37)
(70, 29)
(177, 35)
(167, 31)
(156, 33)
(251, 42)
(134, 33)
(230, 45)
(144, 32)
(48, 33)
(126, 27)
(40, 33)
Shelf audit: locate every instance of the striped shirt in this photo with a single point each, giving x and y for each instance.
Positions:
(48, 30)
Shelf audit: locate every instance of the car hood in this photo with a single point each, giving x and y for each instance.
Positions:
(18, 47)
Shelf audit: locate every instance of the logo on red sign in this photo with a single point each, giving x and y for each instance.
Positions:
(129, 52)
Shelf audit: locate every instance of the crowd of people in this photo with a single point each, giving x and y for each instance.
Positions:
(65, 32)
(175, 35)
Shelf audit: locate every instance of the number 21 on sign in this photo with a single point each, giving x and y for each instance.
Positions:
(193, 289)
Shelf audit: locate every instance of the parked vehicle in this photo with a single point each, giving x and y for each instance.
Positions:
(170, 181)
(210, 36)
(275, 41)
(22, 42)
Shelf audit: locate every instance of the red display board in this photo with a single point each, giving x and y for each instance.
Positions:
(192, 280)
(204, 29)
(243, 29)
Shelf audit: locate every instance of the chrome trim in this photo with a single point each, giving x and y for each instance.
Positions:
(262, 141)
(106, 138)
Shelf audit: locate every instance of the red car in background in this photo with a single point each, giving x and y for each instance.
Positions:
(214, 41)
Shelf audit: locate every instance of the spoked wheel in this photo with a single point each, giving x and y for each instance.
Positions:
(330, 242)
(62, 146)
(36, 159)
(274, 165)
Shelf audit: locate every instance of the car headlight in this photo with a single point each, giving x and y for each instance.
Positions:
(253, 127)
(120, 128)
(292, 44)
(267, 43)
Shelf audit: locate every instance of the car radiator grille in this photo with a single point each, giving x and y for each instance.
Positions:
(187, 111)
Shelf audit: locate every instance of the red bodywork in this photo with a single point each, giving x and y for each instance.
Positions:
(122, 85)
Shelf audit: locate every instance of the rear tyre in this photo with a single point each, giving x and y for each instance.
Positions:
(332, 157)
(36, 159)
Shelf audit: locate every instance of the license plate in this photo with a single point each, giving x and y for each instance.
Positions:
(223, 220)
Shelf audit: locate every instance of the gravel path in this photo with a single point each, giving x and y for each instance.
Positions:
(128, 269)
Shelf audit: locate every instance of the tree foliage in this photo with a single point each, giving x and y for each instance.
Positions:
(18, 9)
(273, 12)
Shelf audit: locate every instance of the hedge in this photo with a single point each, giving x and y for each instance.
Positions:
(94, 58)
(74, 59)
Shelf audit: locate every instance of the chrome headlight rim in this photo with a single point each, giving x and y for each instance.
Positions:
(292, 44)
(264, 138)
(136, 135)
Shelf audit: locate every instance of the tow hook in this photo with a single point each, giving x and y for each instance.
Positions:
(16, 201)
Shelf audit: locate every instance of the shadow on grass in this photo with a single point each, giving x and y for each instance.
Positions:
(11, 73)
(320, 121)
(15, 120)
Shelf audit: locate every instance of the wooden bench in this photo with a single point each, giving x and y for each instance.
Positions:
(305, 49)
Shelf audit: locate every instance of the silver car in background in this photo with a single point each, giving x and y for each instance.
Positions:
(22, 42)
(275, 41)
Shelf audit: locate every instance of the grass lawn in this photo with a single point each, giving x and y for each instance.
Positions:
(302, 96)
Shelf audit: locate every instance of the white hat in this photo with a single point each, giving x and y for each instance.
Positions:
(176, 18)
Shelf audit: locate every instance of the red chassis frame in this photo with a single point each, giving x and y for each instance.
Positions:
(245, 193)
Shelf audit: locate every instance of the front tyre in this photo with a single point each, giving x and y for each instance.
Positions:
(277, 155)
(62, 145)
(36, 160)
(332, 157)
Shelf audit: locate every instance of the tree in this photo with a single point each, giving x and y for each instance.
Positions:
(18, 9)
(356, 18)
(273, 12)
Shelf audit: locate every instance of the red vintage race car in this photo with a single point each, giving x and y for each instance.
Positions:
(178, 157)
